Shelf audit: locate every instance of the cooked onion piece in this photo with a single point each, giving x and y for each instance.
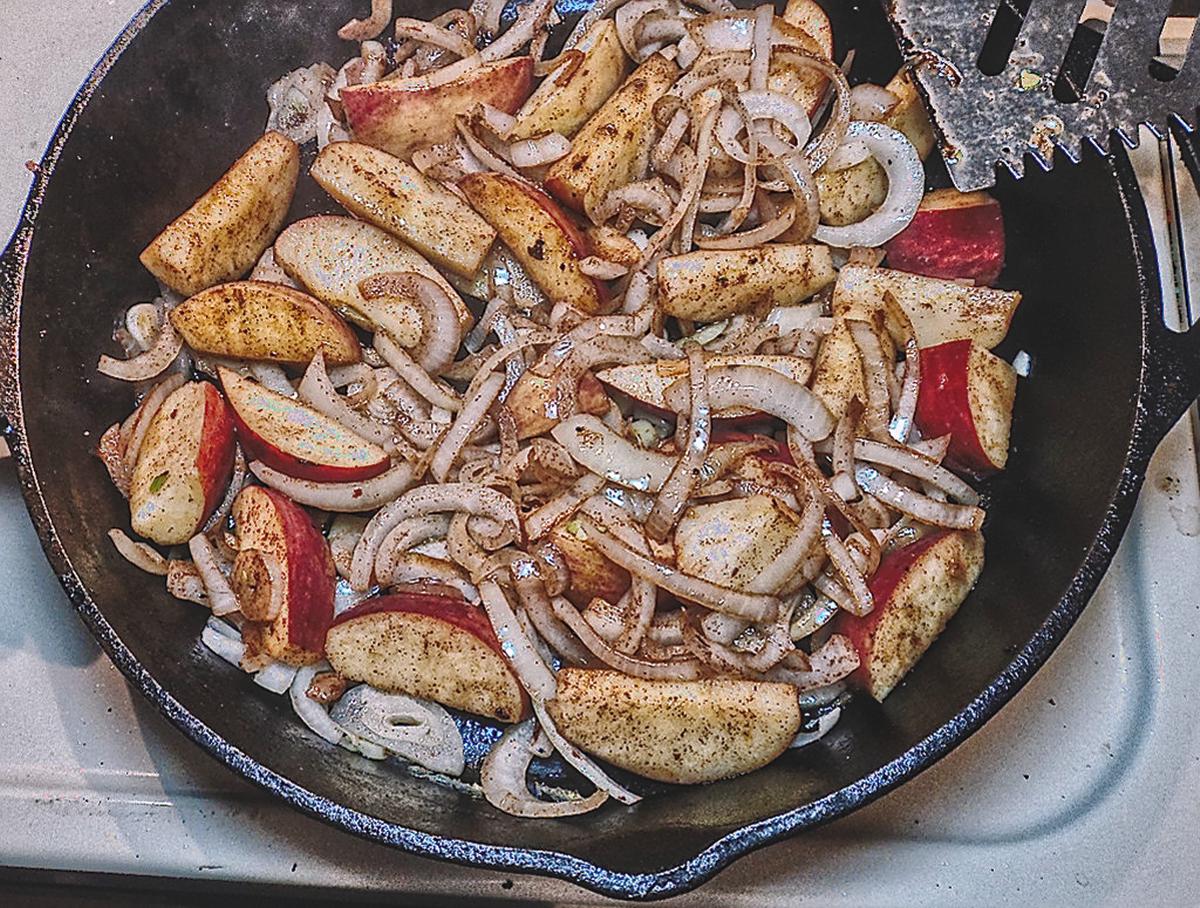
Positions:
(502, 778)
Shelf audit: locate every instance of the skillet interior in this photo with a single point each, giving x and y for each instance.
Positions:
(176, 108)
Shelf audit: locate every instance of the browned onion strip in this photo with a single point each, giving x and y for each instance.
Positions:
(901, 423)
(686, 475)
(541, 521)
(914, 504)
(684, 670)
(144, 415)
(875, 369)
(836, 659)
(807, 476)
(861, 601)
(502, 778)
(821, 146)
(666, 629)
(689, 197)
(341, 497)
(776, 647)
(474, 410)
(632, 325)
(432, 34)
(527, 581)
(606, 618)
(405, 568)
(599, 351)
(843, 445)
(787, 563)
(220, 596)
(473, 499)
(464, 550)
(646, 196)
(756, 236)
(933, 448)
(183, 582)
(414, 376)
(318, 391)
(405, 535)
(489, 158)
(918, 465)
(639, 613)
(441, 331)
(145, 365)
(751, 606)
(139, 554)
(763, 390)
(372, 26)
(111, 452)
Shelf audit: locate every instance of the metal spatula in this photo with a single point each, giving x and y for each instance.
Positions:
(1008, 77)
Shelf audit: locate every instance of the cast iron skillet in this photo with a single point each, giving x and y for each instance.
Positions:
(173, 102)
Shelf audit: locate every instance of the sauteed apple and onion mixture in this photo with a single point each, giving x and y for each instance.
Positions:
(688, 469)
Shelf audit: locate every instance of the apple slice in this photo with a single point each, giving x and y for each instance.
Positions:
(917, 589)
(223, 234)
(259, 320)
(400, 115)
(838, 374)
(439, 648)
(953, 235)
(684, 732)
(382, 189)
(330, 256)
(940, 310)
(544, 239)
(909, 114)
(967, 393)
(592, 575)
(733, 543)
(646, 383)
(713, 284)
(533, 402)
(295, 439)
(613, 147)
(279, 544)
(850, 194)
(183, 465)
(575, 90)
(810, 18)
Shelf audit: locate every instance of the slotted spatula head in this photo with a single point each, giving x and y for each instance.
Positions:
(996, 99)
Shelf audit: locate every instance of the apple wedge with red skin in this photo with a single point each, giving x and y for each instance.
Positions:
(439, 648)
(279, 544)
(534, 397)
(400, 115)
(917, 590)
(543, 237)
(183, 465)
(295, 439)
(967, 393)
(953, 235)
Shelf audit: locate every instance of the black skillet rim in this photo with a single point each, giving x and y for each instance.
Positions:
(1153, 419)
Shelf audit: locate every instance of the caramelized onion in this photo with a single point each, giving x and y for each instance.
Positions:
(139, 554)
(341, 497)
(683, 670)
(914, 504)
(686, 474)
(502, 778)
(146, 365)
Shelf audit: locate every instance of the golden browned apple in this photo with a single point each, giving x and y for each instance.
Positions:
(675, 731)
(259, 320)
(708, 285)
(380, 188)
(909, 114)
(850, 194)
(223, 234)
(613, 147)
(578, 88)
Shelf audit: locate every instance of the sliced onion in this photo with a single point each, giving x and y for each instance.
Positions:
(409, 568)
(540, 151)
(787, 563)
(273, 378)
(183, 582)
(416, 377)
(825, 724)
(763, 390)
(231, 649)
(597, 448)
(581, 761)
(650, 197)
(604, 328)
(372, 26)
(836, 659)
(686, 474)
(220, 596)
(436, 35)
(916, 505)
(917, 465)
(906, 186)
(469, 498)
(407, 534)
(602, 269)
(139, 554)
(535, 600)
(473, 412)
(318, 391)
(762, 104)
(441, 331)
(860, 602)
(870, 102)
(751, 606)
(502, 778)
(312, 713)
(875, 370)
(534, 675)
(341, 497)
(847, 155)
(541, 521)
(639, 613)
(146, 365)
(276, 677)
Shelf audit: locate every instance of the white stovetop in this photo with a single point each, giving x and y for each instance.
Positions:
(1082, 791)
